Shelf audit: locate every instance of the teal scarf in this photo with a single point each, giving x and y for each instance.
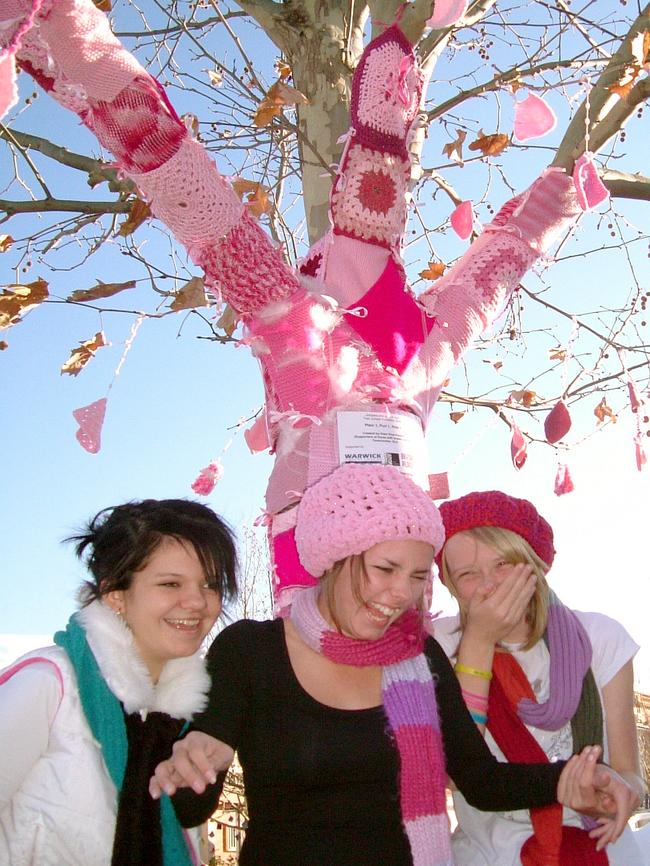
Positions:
(106, 719)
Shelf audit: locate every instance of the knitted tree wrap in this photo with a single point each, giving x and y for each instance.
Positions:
(358, 506)
(369, 196)
(246, 268)
(494, 508)
(189, 195)
(386, 93)
(139, 126)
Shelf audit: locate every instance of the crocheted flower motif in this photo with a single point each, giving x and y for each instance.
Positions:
(377, 191)
(369, 201)
(500, 267)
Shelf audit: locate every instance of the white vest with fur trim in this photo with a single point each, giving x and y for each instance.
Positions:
(62, 811)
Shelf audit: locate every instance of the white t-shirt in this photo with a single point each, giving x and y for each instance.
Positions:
(496, 838)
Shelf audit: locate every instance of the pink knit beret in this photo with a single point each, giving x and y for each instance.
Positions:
(493, 508)
(358, 506)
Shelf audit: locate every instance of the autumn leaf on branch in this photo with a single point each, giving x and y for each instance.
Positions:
(3, 345)
(16, 300)
(228, 320)
(101, 290)
(557, 354)
(140, 211)
(5, 242)
(277, 96)
(454, 149)
(283, 69)
(525, 397)
(433, 271)
(456, 416)
(190, 296)
(80, 356)
(216, 77)
(603, 411)
(492, 144)
(257, 196)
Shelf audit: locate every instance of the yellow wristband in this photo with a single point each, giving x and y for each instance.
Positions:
(475, 672)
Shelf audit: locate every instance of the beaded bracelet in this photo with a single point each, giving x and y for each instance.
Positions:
(479, 718)
(475, 672)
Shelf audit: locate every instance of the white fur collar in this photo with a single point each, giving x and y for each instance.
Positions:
(182, 688)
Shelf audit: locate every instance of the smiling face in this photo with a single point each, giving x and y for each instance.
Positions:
(169, 606)
(393, 579)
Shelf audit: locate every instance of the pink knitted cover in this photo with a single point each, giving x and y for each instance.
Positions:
(316, 360)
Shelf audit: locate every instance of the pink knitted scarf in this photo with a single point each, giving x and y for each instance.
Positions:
(409, 700)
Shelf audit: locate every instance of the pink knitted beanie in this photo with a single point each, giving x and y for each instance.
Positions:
(493, 508)
(358, 506)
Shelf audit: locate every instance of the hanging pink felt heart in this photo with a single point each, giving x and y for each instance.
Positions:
(518, 449)
(462, 220)
(590, 189)
(563, 480)
(446, 13)
(557, 423)
(90, 420)
(533, 118)
(257, 437)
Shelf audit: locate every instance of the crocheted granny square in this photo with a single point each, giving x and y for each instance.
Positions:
(369, 198)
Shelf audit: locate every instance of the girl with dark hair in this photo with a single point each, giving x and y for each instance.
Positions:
(89, 718)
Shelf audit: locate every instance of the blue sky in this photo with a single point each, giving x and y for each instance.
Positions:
(170, 409)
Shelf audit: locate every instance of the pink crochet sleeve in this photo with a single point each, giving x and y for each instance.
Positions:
(73, 54)
(472, 294)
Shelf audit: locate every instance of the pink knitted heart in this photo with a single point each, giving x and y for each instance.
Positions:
(533, 118)
(462, 220)
(557, 423)
(446, 13)
(590, 189)
(90, 420)
(256, 436)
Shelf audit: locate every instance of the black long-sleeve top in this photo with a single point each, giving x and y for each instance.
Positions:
(322, 783)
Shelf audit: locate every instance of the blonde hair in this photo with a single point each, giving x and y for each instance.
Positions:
(358, 577)
(514, 550)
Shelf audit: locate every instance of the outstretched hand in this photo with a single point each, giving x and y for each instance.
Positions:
(195, 762)
(596, 790)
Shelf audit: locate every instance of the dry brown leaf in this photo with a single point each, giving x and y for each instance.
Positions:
(492, 144)
(456, 416)
(228, 320)
(433, 271)
(3, 345)
(525, 397)
(104, 5)
(496, 364)
(454, 149)
(640, 48)
(277, 96)
(558, 354)
(283, 69)
(5, 242)
(257, 195)
(140, 211)
(190, 296)
(80, 356)
(16, 300)
(216, 77)
(101, 290)
(603, 411)
(627, 81)
(191, 122)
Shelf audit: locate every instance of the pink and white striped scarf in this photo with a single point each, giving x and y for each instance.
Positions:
(409, 700)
